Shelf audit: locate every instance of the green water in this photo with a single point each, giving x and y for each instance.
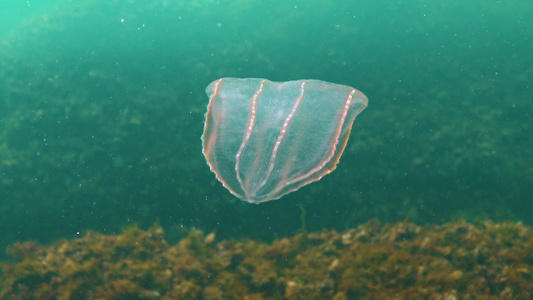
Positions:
(102, 107)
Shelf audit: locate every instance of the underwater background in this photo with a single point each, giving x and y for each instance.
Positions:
(102, 107)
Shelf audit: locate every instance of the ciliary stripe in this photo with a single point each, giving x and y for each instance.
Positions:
(281, 136)
(247, 134)
(212, 135)
(333, 149)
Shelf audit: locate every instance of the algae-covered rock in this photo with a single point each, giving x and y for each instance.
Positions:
(453, 261)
